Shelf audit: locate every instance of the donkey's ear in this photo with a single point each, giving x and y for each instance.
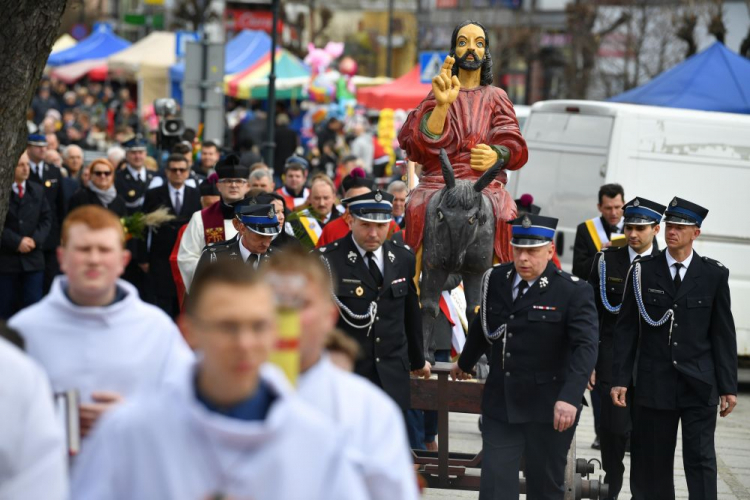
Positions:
(489, 176)
(447, 168)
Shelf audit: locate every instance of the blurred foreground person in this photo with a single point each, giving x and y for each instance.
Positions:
(92, 333)
(232, 428)
(32, 448)
(371, 421)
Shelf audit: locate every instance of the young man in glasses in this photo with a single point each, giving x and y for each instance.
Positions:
(182, 201)
(214, 224)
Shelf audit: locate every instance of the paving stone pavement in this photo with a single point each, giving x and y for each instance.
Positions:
(732, 448)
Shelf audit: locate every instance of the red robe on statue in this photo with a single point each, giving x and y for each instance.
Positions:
(483, 115)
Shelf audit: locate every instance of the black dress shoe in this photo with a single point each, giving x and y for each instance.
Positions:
(627, 446)
(596, 445)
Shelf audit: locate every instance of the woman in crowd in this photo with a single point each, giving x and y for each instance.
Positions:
(100, 189)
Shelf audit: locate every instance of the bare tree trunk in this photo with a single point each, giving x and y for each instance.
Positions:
(716, 20)
(29, 30)
(745, 46)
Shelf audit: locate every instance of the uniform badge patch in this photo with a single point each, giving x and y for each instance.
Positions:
(391, 257)
(674, 201)
(352, 257)
(378, 197)
(271, 213)
(510, 271)
(526, 222)
(359, 291)
(543, 282)
(636, 203)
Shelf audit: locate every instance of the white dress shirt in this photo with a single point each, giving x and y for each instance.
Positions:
(517, 280)
(15, 187)
(685, 264)
(173, 191)
(245, 253)
(138, 174)
(632, 253)
(377, 254)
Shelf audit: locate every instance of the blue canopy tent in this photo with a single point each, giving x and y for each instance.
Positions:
(240, 53)
(100, 44)
(717, 79)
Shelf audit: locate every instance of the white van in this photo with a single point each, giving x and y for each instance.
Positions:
(654, 152)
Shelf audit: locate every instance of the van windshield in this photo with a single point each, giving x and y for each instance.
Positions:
(569, 129)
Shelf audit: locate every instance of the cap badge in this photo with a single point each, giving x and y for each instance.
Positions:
(674, 202)
(378, 197)
(359, 291)
(543, 281)
(271, 213)
(391, 257)
(526, 222)
(636, 203)
(352, 257)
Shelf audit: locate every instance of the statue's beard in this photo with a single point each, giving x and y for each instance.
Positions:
(467, 65)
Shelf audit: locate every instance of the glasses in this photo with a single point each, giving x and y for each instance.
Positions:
(178, 170)
(101, 173)
(232, 181)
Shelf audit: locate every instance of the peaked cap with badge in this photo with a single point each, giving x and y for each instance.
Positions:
(685, 213)
(375, 206)
(642, 212)
(532, 230)
(135, 143)
(259, 218)
(37, 140)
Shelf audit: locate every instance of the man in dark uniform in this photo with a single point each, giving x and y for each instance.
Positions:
(27, 224)
(676, 319)
(377, 297)
(132, 181)
(181, 201)
(50, 178)
(256, 226)
(538, 325)
(642, 218)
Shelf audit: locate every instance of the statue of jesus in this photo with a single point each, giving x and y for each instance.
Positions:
(476, 125)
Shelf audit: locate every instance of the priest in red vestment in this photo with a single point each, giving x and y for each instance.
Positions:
(476, 125)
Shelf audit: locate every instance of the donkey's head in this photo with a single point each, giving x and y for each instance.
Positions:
(462, 214)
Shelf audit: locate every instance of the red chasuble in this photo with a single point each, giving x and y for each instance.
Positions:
(213, 223)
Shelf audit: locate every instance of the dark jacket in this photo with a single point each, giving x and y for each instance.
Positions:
(163, 238)
(86, 196)
(51, 181)
(699, 359)
(617, 260)
(132, 190)
(226, 250)
(27, 216)
(550, 349)
(394, 345)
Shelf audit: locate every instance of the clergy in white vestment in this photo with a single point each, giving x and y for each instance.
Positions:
(33, 458)
(213, 224)
(233, 428)
(372, 422)
(92, 333)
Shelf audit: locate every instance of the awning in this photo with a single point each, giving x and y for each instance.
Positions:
(96, 69)
(291, 77)
(101, 44)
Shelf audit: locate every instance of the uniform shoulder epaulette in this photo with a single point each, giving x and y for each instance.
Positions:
(570, 277)
(503, 264)
(328, 248)
(714, 262)
(400, 244)
(614, 249)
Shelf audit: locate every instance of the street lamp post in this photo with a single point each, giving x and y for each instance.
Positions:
(270, 145)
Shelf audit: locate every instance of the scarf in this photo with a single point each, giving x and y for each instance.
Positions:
(106, 197)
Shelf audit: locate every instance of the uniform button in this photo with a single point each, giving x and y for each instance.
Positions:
(544, 316)
(554, 378)
(507, 355)
(675, 344)
(700, 302)
(377, 339)
(676, 325)
(377, 360)
(675, 306)
(674, 363)
(511, 317)
(507, 374)
(377, 318)
(510, 335)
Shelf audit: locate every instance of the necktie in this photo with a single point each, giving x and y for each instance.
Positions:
(20, 190)
(374, 270)
(677, 280)
(522, 286)
(254, 260)
(177, 203)
(636, 259)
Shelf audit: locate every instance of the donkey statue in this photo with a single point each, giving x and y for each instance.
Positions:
(458, 238)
